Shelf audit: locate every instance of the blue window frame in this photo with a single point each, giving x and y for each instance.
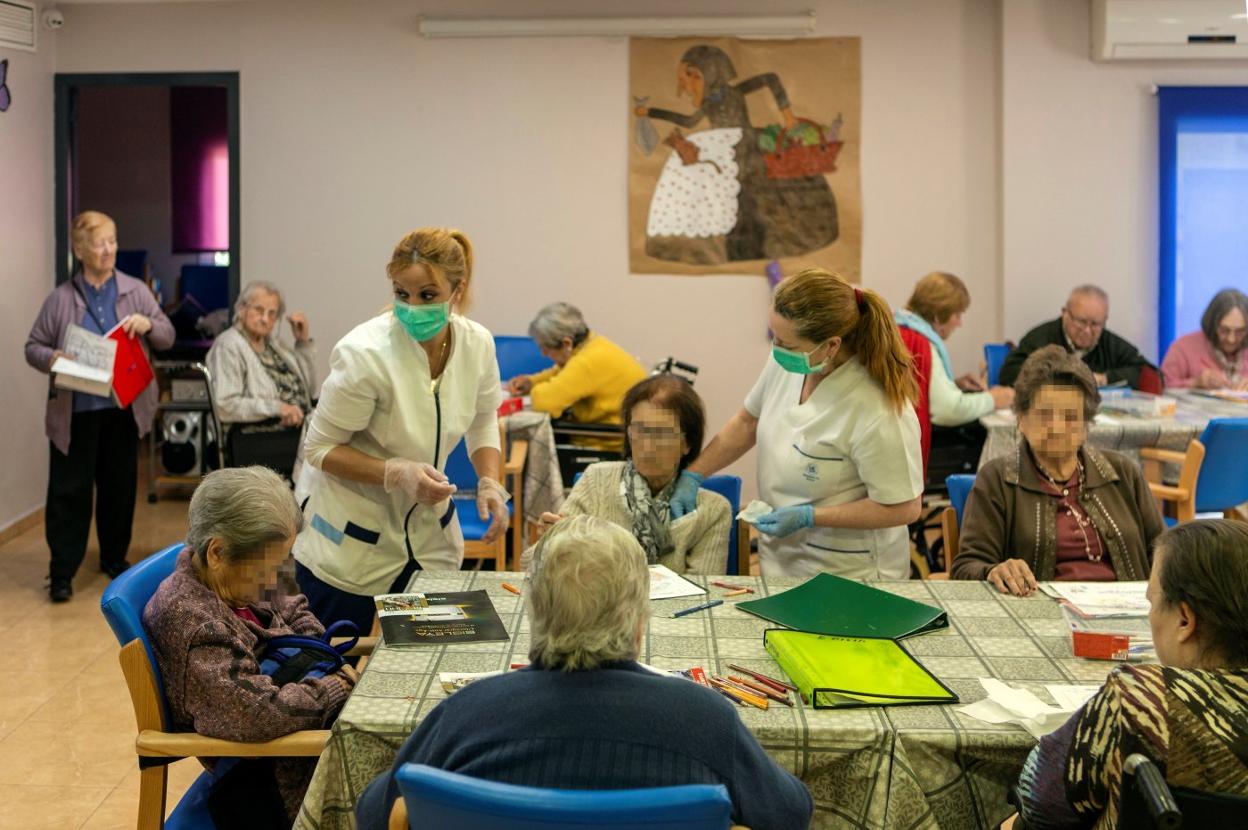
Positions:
(1203, 135)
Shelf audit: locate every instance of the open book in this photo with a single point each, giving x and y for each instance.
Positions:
(112, 365)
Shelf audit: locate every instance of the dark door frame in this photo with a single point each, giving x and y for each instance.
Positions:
(65, 85)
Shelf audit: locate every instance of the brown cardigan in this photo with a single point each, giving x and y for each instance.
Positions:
(207, 655)
(1009, 516)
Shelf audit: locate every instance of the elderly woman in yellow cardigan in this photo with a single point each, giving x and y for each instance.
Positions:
(591, 374)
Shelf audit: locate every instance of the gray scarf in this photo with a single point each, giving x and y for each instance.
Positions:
(649, 512)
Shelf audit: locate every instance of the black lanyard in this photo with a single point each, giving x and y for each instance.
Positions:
(87, 303)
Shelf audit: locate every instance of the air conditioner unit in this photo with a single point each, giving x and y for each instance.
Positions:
(1169, 29)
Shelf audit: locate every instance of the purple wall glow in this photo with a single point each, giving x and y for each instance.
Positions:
(199, 146)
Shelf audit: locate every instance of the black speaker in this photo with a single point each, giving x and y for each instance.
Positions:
(189, 445)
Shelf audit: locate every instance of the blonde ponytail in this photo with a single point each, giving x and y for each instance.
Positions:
(445, 249)
(823, 305)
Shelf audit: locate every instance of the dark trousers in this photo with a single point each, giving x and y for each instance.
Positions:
(104, 457)
(331, 604)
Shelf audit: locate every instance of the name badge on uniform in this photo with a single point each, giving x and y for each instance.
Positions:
(812, 472)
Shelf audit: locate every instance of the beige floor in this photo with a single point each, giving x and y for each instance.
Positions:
(66, 727)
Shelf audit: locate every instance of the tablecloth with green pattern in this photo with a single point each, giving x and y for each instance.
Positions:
(896, 767)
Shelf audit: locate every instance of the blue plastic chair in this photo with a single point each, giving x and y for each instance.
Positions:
(122, 604)
(1223, 481)
(519, 356)
(450, 801)
(459, 471)
(730, 488)
(994, 356)
(959, 487)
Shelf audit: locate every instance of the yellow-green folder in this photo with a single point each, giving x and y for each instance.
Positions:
(827, 604)
(841, 672)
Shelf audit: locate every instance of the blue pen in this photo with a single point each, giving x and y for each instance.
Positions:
(710, 604)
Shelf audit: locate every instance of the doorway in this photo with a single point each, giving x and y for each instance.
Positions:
(158, 152)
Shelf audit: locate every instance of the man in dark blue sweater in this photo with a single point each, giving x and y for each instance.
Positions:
(585, 715)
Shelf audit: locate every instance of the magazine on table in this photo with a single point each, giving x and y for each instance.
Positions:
(437, 618)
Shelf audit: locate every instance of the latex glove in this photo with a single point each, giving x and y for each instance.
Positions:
(422, 483)
(492, 501)
(685, 494)
(785, 520)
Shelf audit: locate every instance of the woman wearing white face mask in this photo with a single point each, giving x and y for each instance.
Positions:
(403, 389)
(838, 441)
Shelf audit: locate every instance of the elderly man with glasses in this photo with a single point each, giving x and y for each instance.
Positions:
(1081, 330)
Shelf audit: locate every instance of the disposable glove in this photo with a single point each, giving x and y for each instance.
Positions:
(685, 494)
(420, 482)
(785, 520)
(492, 501)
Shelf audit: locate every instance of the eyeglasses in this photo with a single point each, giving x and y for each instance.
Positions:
(1227, 331)
(101, 244)
(640, 433)
(1081, 323)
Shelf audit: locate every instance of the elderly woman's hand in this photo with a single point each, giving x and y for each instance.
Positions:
(547, 521)
(1210, 378)
(349, 674)
(290, 415)
(520, 385)
(1013, 576)
(492, 501)
(299, 327)
(136, 324)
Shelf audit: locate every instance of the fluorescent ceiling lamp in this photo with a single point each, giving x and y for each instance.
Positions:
(776, 25)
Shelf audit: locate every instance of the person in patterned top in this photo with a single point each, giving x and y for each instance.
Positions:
(1188, 714)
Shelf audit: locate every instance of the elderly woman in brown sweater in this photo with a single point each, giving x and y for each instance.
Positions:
(1057, 508)
(210, 621)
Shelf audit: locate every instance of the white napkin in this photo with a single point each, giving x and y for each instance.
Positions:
(1006, 704)
(754, 511)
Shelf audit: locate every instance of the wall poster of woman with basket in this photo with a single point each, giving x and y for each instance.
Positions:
(729, 191)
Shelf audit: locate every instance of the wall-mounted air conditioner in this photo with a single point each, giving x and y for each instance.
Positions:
(1169, 29)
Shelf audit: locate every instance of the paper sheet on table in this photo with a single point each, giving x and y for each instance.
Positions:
(1102, 599)
(667, 584)
(754, 511)
(1069, 696)
(1006, 704)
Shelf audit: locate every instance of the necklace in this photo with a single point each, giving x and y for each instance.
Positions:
(435, 381)
(1083, 521)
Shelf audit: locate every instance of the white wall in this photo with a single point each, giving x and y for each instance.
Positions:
(354, 130)
(1080, 167)
(26, 258)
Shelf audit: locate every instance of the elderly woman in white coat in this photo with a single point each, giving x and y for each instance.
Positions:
(404, 388)
(255, 376)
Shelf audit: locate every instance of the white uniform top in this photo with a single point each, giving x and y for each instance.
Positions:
(846, 443)
(377, 399)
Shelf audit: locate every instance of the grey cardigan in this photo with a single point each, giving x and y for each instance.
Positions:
(242, 388)
(64, 306)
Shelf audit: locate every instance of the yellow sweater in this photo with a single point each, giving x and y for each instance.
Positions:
(590, 387)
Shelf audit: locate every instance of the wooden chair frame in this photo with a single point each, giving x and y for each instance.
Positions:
(515, 454)
(398, 817)
(157, 746)
(1182, 497)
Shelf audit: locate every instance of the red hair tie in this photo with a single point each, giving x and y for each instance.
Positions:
(860, 300)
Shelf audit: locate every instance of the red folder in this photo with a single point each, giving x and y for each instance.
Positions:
(131, 371)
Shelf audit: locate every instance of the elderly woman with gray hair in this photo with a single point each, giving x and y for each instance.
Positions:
(591, 374)
(1057, 508)
(210, 622)
(584, 714)
(256, 377)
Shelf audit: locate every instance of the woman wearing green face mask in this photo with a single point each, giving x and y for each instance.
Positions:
(838, 441)
(404, 388)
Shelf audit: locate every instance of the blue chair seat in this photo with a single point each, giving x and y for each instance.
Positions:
(469, 522)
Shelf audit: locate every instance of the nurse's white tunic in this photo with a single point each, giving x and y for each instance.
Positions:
(846, 443)
(377, 399)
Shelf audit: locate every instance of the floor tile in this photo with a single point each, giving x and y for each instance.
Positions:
(49, 807)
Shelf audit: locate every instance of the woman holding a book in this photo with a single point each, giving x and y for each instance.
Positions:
(404, 388)
(1057, 508)
(839, 462)
(94, 441)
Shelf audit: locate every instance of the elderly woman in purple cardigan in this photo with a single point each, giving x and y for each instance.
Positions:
(94, 442)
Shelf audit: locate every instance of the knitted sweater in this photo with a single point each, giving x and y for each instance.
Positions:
(700, 538)
(208, 657)
(244, 391)
(590, 387)
(616, 727)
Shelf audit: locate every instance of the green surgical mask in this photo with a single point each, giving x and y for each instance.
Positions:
(423, 322)
(796, 362)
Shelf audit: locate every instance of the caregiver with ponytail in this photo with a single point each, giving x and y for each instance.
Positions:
(403, 389)
(838, 441)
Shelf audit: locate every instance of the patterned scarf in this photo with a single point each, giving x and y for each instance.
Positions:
(910, 320)
(649, 512)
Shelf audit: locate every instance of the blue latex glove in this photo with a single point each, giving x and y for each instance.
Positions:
(685, 494)
(786, 520)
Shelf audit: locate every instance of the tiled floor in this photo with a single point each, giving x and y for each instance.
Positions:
(66, 727)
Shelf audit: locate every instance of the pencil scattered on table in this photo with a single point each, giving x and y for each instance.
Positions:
(701, 607)
(511, 588)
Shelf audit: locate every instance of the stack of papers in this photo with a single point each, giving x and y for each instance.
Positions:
(1101, 599)
(1006, 704)
(667, 584)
